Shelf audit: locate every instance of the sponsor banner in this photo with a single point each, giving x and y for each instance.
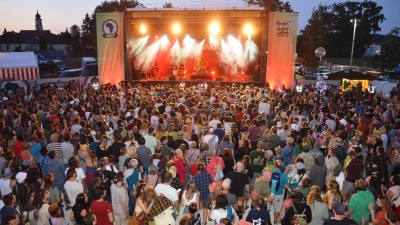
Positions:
(110, 47)
(282, 40)
(209, 14)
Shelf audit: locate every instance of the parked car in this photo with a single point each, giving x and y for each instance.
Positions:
(60, 65)
(323, 74)
(70, 73)
(87, 60)
(90, 70)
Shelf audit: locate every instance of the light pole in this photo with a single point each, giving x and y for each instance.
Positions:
(354, 37)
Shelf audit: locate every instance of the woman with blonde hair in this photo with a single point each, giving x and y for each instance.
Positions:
(160, 131)
(319, 210)
(144, 197)
(104, 149)
(171, 132)
(190, 195)
(333, 194)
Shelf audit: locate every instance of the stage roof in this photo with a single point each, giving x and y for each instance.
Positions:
(197, 9)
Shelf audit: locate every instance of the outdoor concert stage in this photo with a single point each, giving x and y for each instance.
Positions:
(200, 44)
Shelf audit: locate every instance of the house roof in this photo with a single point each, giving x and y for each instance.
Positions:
(31, 37)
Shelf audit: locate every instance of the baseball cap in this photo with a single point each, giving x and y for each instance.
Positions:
(299, 197)
(21, 176)
(8, 172)
(339, 208)
(26, 162)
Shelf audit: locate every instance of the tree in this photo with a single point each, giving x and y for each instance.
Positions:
(86, 32)
(314, 35)
(272, 5)
(76, 39)
(167, 5)
(389, 56)
(42, 43)
(4, 31)
(18, 48)
(342, 29)
(66, 35)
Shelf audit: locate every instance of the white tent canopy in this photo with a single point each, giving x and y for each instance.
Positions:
(18, 66)
(17, 60)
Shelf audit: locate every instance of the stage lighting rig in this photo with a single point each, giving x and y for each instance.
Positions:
(143, 29)
(214, 28)
(248, 29)
(176, 28)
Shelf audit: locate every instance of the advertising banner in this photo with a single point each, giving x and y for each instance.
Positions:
(282, 39)
(110, 47)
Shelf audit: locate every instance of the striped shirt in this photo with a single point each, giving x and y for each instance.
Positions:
(55, 146)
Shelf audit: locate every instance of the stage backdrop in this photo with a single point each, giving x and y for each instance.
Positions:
(282, 38)
(110, 47)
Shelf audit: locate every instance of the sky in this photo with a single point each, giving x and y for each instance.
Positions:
(16, 15)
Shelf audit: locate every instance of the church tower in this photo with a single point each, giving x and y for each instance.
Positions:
(38, 22)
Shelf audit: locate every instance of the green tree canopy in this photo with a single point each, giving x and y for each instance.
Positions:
(272, 5)
(389, 55)
(167, 5)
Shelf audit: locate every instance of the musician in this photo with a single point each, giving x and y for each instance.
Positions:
(202, 63)
(155, 67)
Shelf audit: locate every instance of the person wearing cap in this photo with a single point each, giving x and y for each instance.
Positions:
(119, 197)
(359, 202)
(19, 130)
(211, 139)
(6, 183)
(21, 181)
(151, 141)
(299, 207)
(179, 141)
(212, 168)
(339, 218)
(55, 215)
(9, 208)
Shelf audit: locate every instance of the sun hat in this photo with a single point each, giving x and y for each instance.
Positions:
(325, 134)
(377, 133)
(279, 124)
(17, 122)
(180, 134)
(358, 133)
(283, 115)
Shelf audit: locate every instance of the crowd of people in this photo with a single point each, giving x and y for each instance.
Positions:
(163, 154)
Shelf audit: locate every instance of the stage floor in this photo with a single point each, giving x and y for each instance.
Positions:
(216, 78)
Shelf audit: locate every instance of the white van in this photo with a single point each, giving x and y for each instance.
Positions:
(87, 60)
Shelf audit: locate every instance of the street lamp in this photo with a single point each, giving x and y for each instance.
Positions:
(354, 37)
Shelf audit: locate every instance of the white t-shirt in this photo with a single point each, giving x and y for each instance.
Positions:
(73, 188)
(218, 214)
(168, 191)
(395, 191)
(5, 186)
(80, 174)
(75, 128)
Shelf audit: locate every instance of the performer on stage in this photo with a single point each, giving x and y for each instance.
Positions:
(181, 69)
(155, 69)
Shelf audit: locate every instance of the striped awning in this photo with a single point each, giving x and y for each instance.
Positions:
(27, 73)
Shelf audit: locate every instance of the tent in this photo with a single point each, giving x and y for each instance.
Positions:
(18, 66)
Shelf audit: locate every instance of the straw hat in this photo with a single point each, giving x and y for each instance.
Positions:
(377, 133)
(338, 142)
(325, 134)
(358, 133)
(17, 122)
(284, 115)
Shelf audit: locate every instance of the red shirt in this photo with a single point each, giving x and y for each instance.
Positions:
(193, 169)
(239, 117)
(181, 169)
(101, 210)
(18, 148)
(213, 166)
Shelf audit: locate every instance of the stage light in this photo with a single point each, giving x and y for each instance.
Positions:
(176, 37)
(213, 72)
(248, 29)
(371, 89)
(240, 37)
(182, 84)
(176, 28)
(214, 28)
(143, 29)
(156, 36)
(299, 88)
(249, 37)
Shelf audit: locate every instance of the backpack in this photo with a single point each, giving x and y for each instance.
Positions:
(302, 215)
(275, 181)
(219, 175)
(157, 162)
(132, 180)
(341, 154)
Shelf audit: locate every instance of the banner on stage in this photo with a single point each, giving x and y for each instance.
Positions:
(110, 47)
(282, 40)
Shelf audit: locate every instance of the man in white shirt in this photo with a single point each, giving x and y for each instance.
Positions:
(295, 124)
(72, 186)
(212, 140)
(151, 141)
(213, 123)
(330, 122)
(76, 127)
(6, 183)
(166, 190)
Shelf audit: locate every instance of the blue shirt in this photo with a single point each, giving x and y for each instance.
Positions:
(94, 145)
(35, 150)
(43, 160)
(284, 181)
(202, 180)
(287, 153)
